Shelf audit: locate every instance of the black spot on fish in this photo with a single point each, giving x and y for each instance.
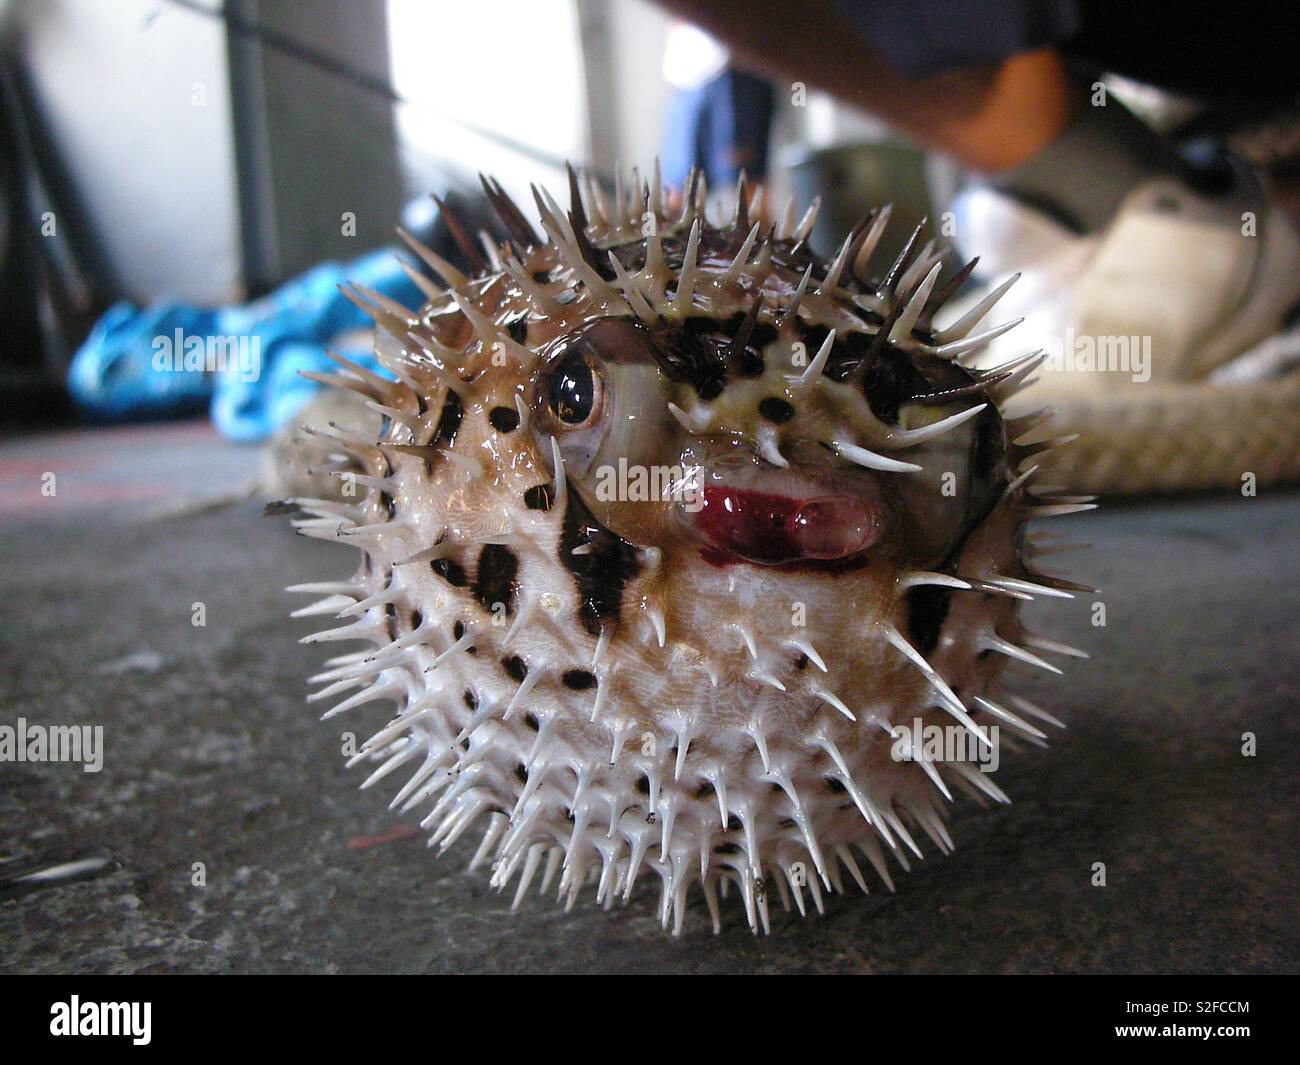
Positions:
(927, 607)
(603, 572)
(751, 360)
(518, 328)
(495, 580)
(457, 631)
(516, 668)
(539, 497)
(690, 353)
(835, 786)
(989, 471)
(705, 789)
(416, 618)
(698, 359)
(451, 572)
(643, 784)
(449, 420)
(775, 410)
(990, 446)
(530, 719)
(471, 700)
(888, 381)
(504, 419)
(579, 680)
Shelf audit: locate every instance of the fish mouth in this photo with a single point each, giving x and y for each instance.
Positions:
(796, 518)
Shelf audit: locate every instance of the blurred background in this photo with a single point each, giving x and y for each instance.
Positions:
(177, 171)
(198, 153)
(184, 169)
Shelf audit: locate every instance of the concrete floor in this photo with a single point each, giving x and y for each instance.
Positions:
(212, 756)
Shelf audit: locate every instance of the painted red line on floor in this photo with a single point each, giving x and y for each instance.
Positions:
(37, 467)
(84, 495)
(393, 835)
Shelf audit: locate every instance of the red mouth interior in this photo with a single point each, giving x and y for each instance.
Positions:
(773, 530)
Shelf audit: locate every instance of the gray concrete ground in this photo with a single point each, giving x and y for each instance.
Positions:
(211, 756)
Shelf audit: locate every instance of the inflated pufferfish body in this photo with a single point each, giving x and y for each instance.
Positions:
(668, 527)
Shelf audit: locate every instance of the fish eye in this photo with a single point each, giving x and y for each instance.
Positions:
(573, 390)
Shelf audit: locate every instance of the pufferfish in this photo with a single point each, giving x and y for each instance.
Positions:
(672, 533)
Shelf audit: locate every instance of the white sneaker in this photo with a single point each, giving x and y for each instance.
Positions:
(1143, 325)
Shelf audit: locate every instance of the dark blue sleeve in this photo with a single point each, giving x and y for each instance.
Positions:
(923, 37)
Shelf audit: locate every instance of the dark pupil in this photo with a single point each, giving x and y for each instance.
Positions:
(572, 391)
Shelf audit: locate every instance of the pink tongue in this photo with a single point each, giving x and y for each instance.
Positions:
(832, 527)
(775, 529)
